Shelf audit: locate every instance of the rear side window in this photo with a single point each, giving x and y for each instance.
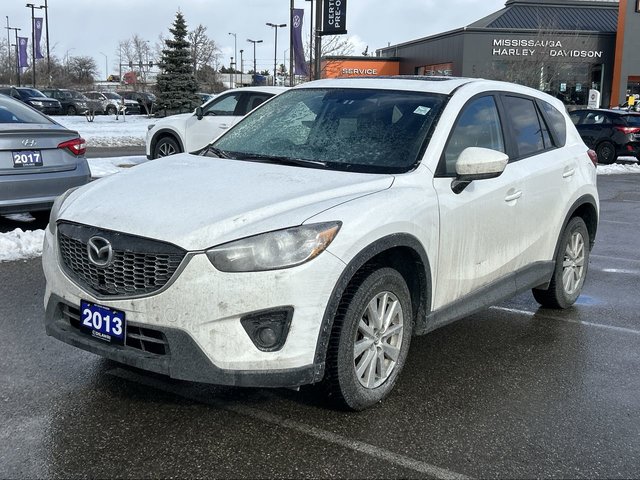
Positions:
(12, 111)
(528, 130)
(556, 122)
(477, 126)
(633, 120)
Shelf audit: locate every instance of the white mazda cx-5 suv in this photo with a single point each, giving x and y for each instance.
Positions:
(315, 238)
(190, 132)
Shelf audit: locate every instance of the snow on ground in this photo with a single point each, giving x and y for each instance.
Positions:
(106, 131)
(19, 244)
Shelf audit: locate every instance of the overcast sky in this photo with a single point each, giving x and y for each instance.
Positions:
(88, 27)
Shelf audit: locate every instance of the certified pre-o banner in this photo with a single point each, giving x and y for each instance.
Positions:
(299, 62)
(22, 52)
(334, 17)
(37, 25)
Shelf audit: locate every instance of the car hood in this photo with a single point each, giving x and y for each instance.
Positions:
(174, 120)
(198, 202)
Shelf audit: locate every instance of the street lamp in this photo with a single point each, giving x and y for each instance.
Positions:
(33, 40)
(235, 53)
(241, 65)
(275, 52)
(106, 66)
(15, 30)
(255, 72)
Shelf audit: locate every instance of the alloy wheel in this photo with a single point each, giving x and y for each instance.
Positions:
(165, 149)
(378, 340)
(574, 263)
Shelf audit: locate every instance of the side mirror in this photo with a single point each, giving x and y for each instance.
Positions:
(199, 113)
(476, 163)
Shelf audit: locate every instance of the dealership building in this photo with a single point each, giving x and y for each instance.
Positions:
(562, 47)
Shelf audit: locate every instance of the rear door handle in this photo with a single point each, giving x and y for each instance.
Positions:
(568, 172)
(224, 126)
(515, 195)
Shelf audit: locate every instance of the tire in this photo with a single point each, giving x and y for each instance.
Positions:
(350, 380)
(166, 146)
(111, 110)
(606, 153)
(41, 215)
(71, 110)
(572, 261)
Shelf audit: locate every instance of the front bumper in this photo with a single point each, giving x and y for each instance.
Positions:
(199, 316)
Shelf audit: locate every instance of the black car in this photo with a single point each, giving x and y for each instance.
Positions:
(146, 100)
(611, 133)
(73, 103)
(34, 98)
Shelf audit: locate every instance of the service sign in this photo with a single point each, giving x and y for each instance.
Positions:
(334, 17)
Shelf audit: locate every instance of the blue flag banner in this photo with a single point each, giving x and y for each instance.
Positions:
(37, 25)
(299, 62)
(22, 52)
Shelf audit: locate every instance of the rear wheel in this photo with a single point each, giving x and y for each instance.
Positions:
(370, 340)
(111, 110)
(606, 152)
(71, 110)
(570, 271)
(166, 146)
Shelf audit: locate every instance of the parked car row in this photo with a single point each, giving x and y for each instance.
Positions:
(62, 101)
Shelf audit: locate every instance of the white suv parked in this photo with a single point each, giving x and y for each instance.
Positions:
(190, 132)
(311, 241)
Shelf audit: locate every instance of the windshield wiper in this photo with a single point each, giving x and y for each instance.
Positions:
(216, 151)
(299, 162)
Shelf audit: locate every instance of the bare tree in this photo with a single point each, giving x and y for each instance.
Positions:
(204, 50)
(83, 70)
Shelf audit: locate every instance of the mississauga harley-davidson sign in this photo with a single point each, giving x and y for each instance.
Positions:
(530, 47)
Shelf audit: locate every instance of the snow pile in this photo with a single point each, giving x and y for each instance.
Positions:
(102, 167)
(18, 244)
(617, 168)
(106, 131)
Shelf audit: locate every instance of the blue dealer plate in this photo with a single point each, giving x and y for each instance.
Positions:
(27, 158)
(102, 322)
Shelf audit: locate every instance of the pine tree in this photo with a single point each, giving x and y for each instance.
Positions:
(177, 84)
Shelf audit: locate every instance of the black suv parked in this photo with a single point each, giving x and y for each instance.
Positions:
(34, 98)
(73, 103)
(147, 101)
(611, 133)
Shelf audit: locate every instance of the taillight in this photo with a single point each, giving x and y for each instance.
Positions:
(628, 130)
(593, 156)
(77, 146)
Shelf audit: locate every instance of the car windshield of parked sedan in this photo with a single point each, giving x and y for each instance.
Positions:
(16, 112)
(363, 130)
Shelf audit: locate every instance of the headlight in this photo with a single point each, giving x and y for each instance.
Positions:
(55, 209)
(37, 102)
(274, 250)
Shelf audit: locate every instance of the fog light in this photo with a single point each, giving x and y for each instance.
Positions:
(268, 329)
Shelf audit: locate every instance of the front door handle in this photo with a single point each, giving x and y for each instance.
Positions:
(514, 195)
(568, 172)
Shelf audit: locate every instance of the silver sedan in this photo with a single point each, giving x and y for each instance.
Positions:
(39, 159)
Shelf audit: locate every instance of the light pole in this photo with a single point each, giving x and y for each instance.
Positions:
(235, 54)
(255, 72)
(46, 25)
(232, 76)
(33, 40)
(106, 66)
(9, 48)
(284, 62)
(16, 30)
(275, 27)
(241, 65)
(311, 42)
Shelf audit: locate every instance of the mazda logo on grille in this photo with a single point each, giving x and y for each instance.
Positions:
(100, 251)
(29, 142)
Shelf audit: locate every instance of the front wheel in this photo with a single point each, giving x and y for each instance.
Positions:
(111, 110)
(570, 271)
(606, 153)
(71, 110)
(166, 146)
(370, 340)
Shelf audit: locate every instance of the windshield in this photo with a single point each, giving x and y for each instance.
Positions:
(364, 130)
(30, 92)
(113, 96)
(12, 111)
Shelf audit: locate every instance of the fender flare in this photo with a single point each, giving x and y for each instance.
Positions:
(160, 133)
(363, 257)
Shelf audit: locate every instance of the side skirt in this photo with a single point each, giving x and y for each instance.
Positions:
(536, 275)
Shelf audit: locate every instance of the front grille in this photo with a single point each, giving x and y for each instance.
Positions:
(140, 338)
(139, 266)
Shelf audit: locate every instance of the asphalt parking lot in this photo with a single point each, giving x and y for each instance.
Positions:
(514, 391)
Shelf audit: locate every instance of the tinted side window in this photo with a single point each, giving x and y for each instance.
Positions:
(556, 122)
(256, 99)
(525, 125)
(477, 126)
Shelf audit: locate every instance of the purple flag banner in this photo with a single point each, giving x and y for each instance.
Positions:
(37, 25)
(299, 62)
(22, 52)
